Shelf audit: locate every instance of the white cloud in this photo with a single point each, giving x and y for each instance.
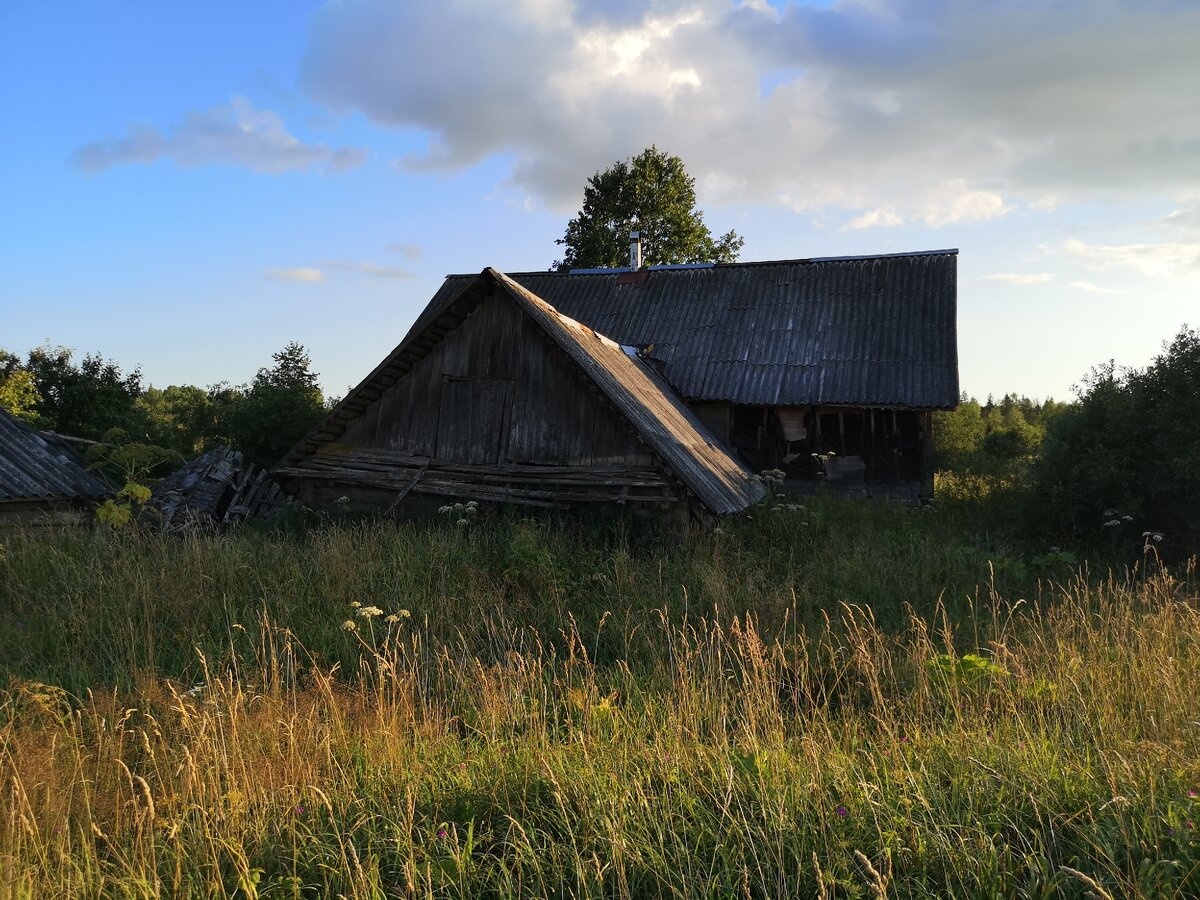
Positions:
(1165, 260)
(936, 111)
(1024, 280)
(370, 269)
(234, 134)
(1093, 288)
(301, 274)
(958, 203)
(875, 218)
(408, 251)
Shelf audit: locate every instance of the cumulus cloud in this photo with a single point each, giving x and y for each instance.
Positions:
(1024, 280)
(1154, 260)
(1093, 288)
(875, 218)
(936, 111)
(301, 274)
(234, 134)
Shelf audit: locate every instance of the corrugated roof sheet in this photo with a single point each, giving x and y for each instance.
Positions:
(34, 466)
(667, 426)
(857, 331)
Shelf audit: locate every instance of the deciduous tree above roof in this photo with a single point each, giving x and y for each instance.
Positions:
(651, 193)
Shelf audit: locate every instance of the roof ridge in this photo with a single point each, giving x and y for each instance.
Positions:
(617, 270)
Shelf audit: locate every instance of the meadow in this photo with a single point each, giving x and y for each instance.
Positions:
(824, 699)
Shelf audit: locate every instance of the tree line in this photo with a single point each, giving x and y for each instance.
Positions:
(141, 431)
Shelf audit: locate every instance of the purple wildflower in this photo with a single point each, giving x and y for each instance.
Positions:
(441, 833)
(842, 812)
(1193, 795)
(300, 810)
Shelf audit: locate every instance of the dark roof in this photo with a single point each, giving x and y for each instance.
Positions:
(37, 466)
(660, 418)
(844, 331)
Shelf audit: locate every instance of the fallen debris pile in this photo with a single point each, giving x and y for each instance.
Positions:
(215, 490)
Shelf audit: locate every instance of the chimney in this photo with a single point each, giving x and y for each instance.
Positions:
(635, 250)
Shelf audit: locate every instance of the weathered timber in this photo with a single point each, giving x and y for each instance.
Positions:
(501, 399)
(215, 490)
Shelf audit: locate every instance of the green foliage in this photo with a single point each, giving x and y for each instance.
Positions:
(650, 193)
(995, 438)
(18, 392)
(182, 418)
(1131, 443)
(122, 509)
(958, 434)
(969, 669)
(84, 399)
(121, 458)
(266, 418)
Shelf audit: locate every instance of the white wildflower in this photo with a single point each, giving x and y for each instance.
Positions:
(392, 619)
(370, 611)
(350, 625)
(463, 522)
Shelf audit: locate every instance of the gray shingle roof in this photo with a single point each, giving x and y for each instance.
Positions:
(857, 331)
(35, 466)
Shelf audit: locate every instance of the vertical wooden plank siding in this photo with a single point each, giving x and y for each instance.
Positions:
(496, 375)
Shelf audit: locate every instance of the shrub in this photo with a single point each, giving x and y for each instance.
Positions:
(1132, 443)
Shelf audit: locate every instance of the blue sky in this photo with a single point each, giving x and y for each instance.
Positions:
(188, 187)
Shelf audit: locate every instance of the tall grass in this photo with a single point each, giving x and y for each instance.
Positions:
(83, 610)
(723, 734)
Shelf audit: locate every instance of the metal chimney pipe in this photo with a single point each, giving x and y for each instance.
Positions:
(635, 250)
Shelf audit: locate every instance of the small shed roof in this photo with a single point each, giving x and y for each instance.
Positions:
(37, 466)
(643, 398)
(841, 331)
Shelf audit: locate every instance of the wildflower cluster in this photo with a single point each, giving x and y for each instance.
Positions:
(772, 478)
(1114, 519)
(373, 612)
(462, 513)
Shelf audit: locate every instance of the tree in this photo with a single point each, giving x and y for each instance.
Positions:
(86, 399)
(1131, 445)
(182, 418)
(650, 193)
(958, 434)
(18, 393)
(268, 416)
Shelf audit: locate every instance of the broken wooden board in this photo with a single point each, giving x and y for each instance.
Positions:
(215, 490)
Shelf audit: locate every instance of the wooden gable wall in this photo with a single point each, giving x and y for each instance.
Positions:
(495, 390)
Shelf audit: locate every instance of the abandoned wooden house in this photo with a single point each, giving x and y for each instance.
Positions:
(828, 369)
(659, 386)
(43, 481)
(499, 397)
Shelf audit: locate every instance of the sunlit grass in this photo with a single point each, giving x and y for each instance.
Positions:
(517, 712)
